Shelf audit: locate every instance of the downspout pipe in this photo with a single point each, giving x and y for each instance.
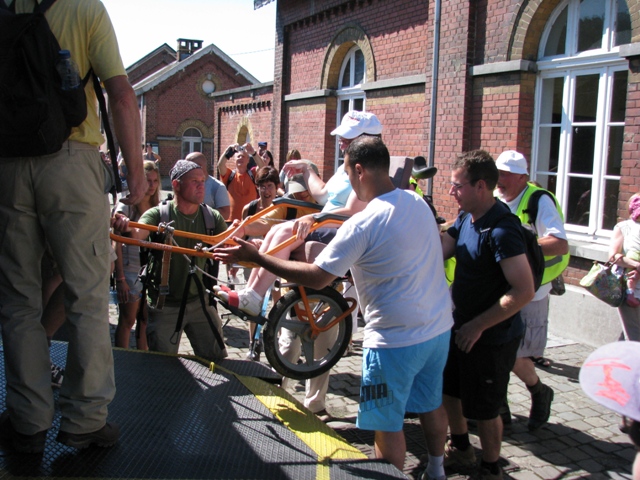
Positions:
(434, 91)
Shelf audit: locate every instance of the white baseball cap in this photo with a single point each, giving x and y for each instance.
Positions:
(356, 123)
(512, 161)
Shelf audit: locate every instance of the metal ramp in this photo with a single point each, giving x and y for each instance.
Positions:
(181, 419)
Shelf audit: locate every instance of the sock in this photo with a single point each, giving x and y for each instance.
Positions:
(536, 388)
(493, 467)
(435, 467)
(461, 442)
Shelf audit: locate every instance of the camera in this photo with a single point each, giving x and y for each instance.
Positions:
(240, 148)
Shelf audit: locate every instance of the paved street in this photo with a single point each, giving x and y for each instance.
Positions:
(582, 439)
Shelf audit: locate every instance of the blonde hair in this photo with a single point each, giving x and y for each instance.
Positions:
(293, 154)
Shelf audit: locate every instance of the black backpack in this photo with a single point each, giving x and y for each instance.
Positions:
(37, 114)
(533, 250)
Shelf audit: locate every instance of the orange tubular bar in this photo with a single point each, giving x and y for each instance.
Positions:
(308, 315)
(214, 240)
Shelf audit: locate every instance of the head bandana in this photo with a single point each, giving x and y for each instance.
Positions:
(182, 167)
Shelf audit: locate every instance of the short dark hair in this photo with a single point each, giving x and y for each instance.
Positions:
(267, 174)
(479, 165)
(369, 151)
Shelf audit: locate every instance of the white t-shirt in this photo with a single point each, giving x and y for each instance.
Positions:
(548, 222)
(393, 249)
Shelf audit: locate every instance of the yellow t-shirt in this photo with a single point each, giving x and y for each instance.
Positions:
(84, 28)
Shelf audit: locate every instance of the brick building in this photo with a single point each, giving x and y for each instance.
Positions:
(178, 96)
(554, 79)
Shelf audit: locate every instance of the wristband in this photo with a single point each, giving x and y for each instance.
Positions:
(121, 279)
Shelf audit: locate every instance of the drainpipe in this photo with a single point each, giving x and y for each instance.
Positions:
(434, 91)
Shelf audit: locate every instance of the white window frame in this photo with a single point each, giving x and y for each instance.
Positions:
(603, 62)
(351, 93)
(191, 141)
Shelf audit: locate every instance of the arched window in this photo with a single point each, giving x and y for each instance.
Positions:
(191, 141)
(580, 111)
(350, 94)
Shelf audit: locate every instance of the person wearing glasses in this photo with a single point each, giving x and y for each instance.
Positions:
(493, 281)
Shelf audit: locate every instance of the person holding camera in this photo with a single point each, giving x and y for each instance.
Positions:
(239, 181)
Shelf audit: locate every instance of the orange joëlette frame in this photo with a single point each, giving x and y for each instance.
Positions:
(224, 238)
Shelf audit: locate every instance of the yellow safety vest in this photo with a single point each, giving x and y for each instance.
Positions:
(553, 265)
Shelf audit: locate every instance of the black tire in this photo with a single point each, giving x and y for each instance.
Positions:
(280, 321)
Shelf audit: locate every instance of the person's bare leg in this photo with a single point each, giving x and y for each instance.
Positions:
(126, 321)
(457, 422)
(260, 279)
(434, 426)
(392, 447)
(526, 371)
(141, 326)
(490, 433)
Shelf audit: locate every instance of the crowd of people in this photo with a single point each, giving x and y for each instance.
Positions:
(445, 354)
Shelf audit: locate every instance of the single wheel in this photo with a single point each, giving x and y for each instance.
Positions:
(286, 337)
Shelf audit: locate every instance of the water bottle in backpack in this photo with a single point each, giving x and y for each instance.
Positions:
(68, 71)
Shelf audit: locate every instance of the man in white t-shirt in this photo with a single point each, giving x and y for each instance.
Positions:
(406, 337)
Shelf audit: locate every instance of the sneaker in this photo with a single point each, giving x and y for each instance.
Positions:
(246, 300)
(540, 407)
(485, 474)
(107, 436)
(20, 442)
(57, 374)
(454, 457)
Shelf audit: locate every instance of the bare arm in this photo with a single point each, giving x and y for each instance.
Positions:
(552, 246)
(616, 248)
(126, 120)
(222, 162)
(307, 274)
(518, 274)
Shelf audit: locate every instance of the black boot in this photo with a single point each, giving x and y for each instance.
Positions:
(541, 398)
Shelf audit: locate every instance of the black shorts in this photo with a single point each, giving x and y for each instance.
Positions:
(480, 378)
(322, 235)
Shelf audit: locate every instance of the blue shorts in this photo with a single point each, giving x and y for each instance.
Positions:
(399, 380)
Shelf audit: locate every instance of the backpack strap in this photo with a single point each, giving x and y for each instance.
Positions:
(117, 185)
(533, 204)
(230, 179)
(163, 288)
(40, 7)
(209, 222)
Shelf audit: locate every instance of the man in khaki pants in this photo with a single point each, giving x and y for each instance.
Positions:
(60, 198)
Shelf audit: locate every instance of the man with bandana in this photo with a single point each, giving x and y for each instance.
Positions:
(186, 213)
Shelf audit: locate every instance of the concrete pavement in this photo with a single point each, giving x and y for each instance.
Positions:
(581, 440)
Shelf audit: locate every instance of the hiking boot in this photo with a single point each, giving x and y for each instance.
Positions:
(57, 374)
(540, 407)
(454, 457)
(107, 436)
(20, 442)
(485, 474)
